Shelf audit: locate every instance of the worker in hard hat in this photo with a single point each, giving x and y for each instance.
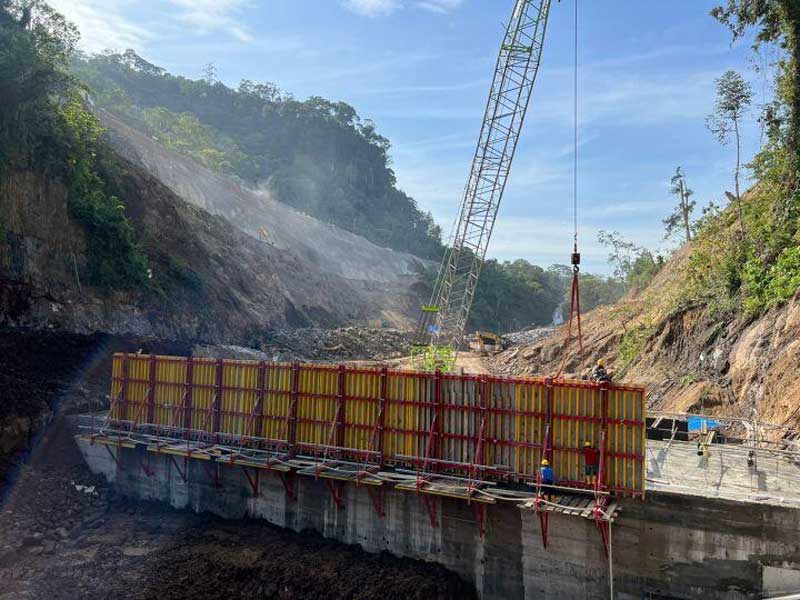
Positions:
(547, 479)
(599, 372)
(590, 460)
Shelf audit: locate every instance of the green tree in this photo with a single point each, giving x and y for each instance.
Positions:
(775, 21)
(318, 156)
(733, 98)
(633, 265)
(681, 215)
(35, 47)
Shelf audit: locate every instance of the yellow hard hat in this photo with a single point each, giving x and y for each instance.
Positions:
(587, 444)
(600, 362)
(545, 462)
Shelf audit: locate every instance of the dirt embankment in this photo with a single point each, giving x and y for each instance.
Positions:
(688, 361)
(211, 280)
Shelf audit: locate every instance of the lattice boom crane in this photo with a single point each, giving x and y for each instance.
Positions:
(441, 325)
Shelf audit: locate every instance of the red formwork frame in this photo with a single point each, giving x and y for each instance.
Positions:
(430, 460)
(434, 435)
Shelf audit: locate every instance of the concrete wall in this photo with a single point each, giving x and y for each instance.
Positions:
(669, 546)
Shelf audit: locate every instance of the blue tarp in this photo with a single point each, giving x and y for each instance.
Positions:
(696, 423)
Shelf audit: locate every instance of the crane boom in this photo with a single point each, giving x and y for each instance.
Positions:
(444, 319)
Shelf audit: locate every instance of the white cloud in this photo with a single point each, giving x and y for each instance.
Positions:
(101, 24)
(372, 8)
(104, 25)
(440, 6)
(381, 8)
(215, 15)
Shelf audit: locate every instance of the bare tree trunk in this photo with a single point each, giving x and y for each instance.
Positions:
(685, 209)
(738, 167)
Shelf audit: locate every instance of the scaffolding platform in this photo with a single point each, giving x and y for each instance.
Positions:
(345, 472)
(447, 487)
(106, 440)
(187, 450)
(575, 505)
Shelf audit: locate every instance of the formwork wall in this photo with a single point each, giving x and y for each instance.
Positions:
(490, 428)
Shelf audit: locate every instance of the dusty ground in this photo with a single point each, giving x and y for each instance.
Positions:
(467, 362)
(65, 534)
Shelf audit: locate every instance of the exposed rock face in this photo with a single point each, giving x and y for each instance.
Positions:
(244, 286)
(688, 361)
(43, 267)
(320, 253)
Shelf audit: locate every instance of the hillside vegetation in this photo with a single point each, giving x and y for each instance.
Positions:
(316, 155)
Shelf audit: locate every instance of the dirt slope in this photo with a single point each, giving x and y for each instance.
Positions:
(688, 361)
(318, 246)
(240, 287)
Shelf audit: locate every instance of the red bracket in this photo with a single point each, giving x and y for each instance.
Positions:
(602, 523)
(337, 492)
(213, 472)
(544, 520)
(480, 517)
(430, 504)
(146, 465)
(114, 457)
(185, 473)
(377, 499)
(288, 485)
(253, 481)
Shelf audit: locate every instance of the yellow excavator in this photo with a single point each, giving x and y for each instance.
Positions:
(487, 342)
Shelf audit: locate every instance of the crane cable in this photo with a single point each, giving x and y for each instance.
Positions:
(575, 301)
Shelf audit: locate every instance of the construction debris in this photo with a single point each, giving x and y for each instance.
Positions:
(528, 336)
(317, 345)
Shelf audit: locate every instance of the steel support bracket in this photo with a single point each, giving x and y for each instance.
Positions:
(337, 492)
(431, 503)
(253, 481)
(184, 474)
(288, 485)
(376, 495)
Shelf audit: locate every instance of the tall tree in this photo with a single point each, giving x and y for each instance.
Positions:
(733, 98)
(634, 266)
(681, 216)
(776, 21)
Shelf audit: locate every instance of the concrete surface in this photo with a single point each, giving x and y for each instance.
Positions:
(671, 545)
(676, 467)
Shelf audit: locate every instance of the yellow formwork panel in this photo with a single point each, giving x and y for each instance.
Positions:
(169, 392)
(277, 400)
(203, 398)
(362, 398)
(339, 407)
(316, 406)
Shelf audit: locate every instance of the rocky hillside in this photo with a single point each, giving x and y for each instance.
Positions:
(318, 245)
(210, 281)
(688, 360)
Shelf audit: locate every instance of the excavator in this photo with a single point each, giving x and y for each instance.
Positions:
(440, 328)
(486, 342)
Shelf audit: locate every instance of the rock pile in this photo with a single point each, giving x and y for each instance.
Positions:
(528, 336)
(318, 345)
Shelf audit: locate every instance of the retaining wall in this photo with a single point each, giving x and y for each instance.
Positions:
(667, 546)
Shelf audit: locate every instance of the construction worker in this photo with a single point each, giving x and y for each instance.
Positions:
(546, 473)
(599, 372)
(590, 459)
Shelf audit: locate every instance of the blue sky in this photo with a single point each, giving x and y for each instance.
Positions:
(421, 70)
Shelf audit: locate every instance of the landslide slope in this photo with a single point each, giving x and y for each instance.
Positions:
(688, 360)
(211, 280)
(378, 282)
